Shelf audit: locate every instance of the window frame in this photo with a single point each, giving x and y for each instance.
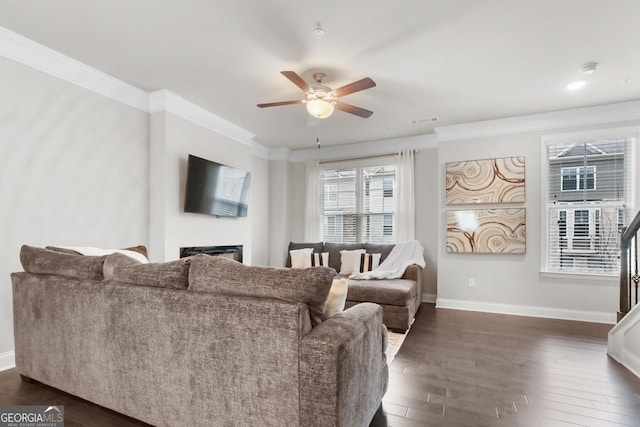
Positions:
(632, 133)
(361, 188)
(579, 177)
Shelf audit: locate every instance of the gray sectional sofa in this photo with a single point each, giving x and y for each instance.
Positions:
(202, 341)
(399, 298)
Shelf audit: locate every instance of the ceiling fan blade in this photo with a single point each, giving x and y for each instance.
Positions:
(277, 104)
(352, 109)
(363, 84)
(296, 80)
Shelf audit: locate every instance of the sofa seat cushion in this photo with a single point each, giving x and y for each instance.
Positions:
(382, 291)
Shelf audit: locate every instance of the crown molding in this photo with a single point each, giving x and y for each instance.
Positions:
(20, 49)
(281, 153)
(39, 57)
(164, 100)
(366, 149)
(260, 150)
(607, 113)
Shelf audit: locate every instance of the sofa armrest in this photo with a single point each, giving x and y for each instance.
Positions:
(414, 272)
(343, 368)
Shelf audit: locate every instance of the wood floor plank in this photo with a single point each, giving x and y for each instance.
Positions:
(501, 370)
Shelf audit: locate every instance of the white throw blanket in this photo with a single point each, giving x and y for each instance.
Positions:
(402, 256)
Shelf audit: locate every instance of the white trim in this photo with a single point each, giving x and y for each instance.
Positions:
(365, 149)
(18, 48)
(616, 347)
(430, 298)
(7, 360)
(600, 114)
(590, 135)
(603, 278)
(164, 100)
(282, 153)
(627, 132)
(528, 310)
(39, 57)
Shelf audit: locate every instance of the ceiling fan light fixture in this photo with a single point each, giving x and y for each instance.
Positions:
(319, 108)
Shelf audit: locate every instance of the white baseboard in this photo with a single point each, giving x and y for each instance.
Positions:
(7, 360)
(528, 310)
(431, 298)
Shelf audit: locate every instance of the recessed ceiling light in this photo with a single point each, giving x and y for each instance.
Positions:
(578, 84)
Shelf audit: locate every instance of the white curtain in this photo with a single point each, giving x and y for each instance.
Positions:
(404, 219)
(313, 208)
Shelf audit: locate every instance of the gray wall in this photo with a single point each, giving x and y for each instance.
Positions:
(173, 139)
(73, 171)
(511, 282)
(81, 169)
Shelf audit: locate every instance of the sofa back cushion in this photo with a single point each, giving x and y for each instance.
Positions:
(227, 277)
(45, 261)
(317, 248)
(124, 269)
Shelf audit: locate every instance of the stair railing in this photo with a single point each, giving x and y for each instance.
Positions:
(629, 268)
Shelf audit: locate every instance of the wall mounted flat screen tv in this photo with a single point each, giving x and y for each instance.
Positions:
(216, 189)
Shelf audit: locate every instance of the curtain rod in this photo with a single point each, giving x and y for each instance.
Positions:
(363, 158)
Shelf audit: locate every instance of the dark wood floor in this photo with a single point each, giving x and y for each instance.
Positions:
(459, 368)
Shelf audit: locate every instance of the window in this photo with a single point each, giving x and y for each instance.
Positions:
(359, 204)
(330, 193)
(387, 229)
(575, 178)
(584, 219)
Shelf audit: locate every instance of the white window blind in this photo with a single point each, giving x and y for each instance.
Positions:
(359, 204)
(589, 195)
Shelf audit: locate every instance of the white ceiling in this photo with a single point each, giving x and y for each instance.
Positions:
(460, 60)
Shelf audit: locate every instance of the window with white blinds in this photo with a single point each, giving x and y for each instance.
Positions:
(359, 204)
(589, 195)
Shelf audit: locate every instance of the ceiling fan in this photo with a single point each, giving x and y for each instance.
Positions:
(321, 100)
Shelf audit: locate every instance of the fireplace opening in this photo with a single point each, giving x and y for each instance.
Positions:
(233, 252)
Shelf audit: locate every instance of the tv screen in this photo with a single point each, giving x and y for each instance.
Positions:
(216, 189)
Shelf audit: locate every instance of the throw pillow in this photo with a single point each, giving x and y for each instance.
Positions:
(226, 277)
(337, 297)
(313, 259)
(320, 260)
(138, 253)
(369, 262)
(350, 261)
(300, 257)
(317, 247)
(45, 261)
(172, 274)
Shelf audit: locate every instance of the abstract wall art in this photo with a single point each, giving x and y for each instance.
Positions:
(494, 231)
(498, 180)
